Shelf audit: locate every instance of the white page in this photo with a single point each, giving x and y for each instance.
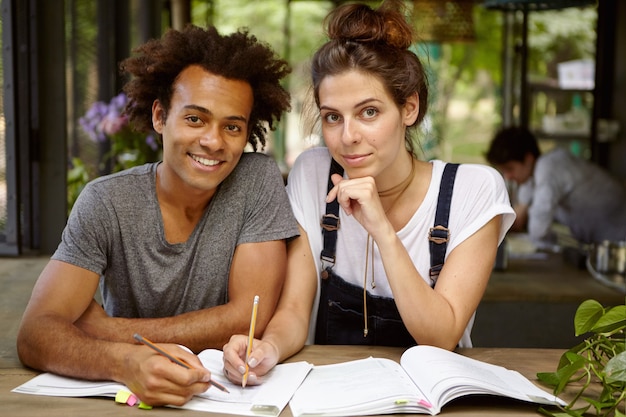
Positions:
(446, 375)
(364, 386)
(268, 398)
(60, 386)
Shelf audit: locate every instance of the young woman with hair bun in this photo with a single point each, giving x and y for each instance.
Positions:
(385, 267)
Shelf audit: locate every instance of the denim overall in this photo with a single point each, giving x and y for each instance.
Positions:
(340, 315)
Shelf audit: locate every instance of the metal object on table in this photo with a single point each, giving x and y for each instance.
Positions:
(607, 263)
(617, 257)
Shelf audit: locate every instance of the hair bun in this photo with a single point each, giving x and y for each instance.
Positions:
(360, 23)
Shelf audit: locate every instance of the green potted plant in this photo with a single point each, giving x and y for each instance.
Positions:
(599, 359)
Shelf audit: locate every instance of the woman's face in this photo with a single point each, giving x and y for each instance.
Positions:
(363, 127)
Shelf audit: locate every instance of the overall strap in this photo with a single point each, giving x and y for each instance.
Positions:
(440, 234)
(330, 221)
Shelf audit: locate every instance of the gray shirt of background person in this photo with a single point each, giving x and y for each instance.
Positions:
(575, 193)
(116, 230)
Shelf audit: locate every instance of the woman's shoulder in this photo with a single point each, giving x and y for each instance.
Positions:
(474, 181)
(312, 161)
(313, 155)
(479, 170)
(470, 172)
(479, 176)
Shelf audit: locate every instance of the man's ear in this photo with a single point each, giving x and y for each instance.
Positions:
(158, 116)
(411, 109)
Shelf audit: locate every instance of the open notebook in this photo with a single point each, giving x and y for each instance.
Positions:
(426, 379)
(268, 399)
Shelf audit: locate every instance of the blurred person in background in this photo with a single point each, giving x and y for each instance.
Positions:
(558, 187)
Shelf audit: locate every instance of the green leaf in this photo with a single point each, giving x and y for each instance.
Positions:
(599, 405)
(615, 369)
(568, 358)
(567, 413)
(574, 350)
(587, 314)
(565, 373)
(550, 378)
(613, 319)
(581, 364)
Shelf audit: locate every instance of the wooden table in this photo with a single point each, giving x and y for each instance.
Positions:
(527, 361)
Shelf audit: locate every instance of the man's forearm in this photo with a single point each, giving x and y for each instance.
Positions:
(52, 345)
(198, 330)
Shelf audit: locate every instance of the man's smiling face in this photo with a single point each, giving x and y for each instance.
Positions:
(205, 130)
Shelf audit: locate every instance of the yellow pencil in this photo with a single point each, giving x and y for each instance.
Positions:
(173, 358)
(255, 307)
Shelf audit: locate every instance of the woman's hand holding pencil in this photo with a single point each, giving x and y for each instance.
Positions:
(246, 359)
(246, 373)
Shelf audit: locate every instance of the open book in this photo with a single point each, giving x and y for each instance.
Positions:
(426, 379)
(267, 399)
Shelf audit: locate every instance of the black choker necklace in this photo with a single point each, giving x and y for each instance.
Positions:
(401, 186)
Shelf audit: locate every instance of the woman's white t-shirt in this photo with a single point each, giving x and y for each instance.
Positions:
(479, 195)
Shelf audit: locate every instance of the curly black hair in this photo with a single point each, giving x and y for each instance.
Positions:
(156, 64)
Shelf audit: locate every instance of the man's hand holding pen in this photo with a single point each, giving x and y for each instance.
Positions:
(157, 380)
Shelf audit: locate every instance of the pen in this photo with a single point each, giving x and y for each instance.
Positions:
(174, 359)
(255, 307)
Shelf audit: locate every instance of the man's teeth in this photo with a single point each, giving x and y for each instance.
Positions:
(204, 161)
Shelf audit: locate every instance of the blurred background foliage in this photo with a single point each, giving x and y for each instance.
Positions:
(465, 77)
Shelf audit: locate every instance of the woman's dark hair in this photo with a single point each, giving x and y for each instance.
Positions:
(376, 42)
(512, 144)
(156, 65)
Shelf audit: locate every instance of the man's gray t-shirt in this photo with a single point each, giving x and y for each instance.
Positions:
(116, 230)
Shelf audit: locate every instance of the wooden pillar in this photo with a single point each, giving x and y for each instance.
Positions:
(181, 13)
(49, 127)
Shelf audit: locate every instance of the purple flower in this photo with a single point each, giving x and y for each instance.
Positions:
(112, 123)
(90, 122)
(107, 122)
(118, 102)
(103, 120)
(152, 143)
